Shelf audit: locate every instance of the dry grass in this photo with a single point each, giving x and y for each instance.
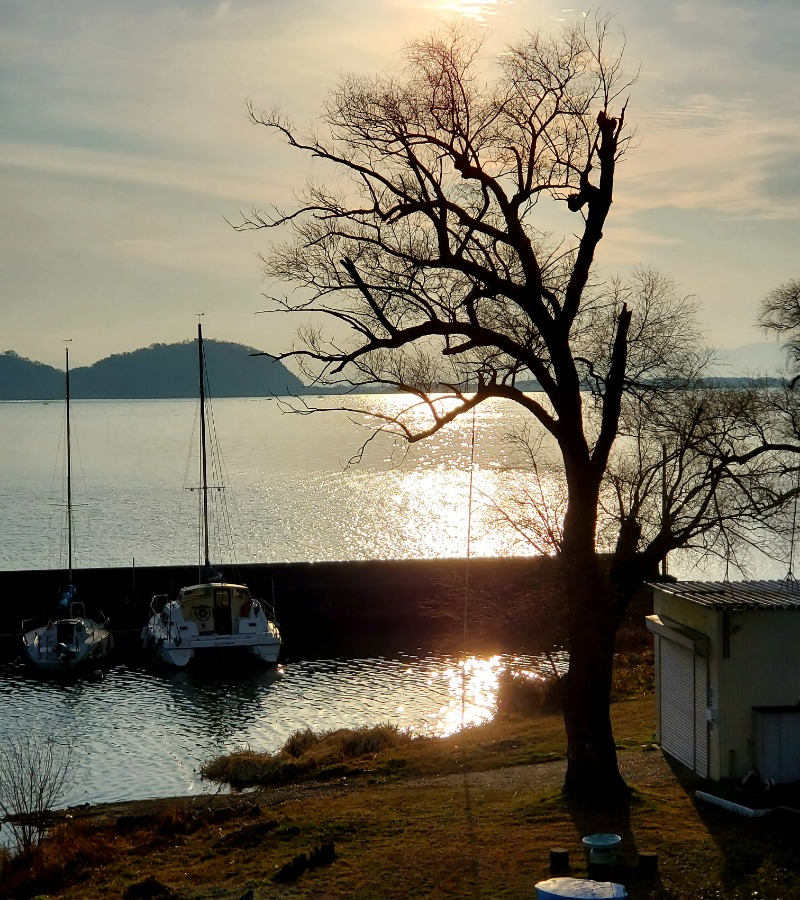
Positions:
(457, 836)
(306, 754)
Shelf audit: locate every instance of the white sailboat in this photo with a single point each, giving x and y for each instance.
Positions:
(214, 615)
(70, 639)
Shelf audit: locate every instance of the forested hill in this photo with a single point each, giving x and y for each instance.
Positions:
(158, 371)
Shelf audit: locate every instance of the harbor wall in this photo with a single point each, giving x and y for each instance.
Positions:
(318, 602)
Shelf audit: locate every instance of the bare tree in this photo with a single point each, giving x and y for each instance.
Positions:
(34, 773)
(428, 250)
(780, 314)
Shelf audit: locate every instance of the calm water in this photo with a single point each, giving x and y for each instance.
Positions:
(143, 733)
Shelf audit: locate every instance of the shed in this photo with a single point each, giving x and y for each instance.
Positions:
(727, 660)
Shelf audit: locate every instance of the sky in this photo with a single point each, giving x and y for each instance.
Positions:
(125, 146)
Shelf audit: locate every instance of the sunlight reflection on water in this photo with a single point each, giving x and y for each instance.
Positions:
(472, 692)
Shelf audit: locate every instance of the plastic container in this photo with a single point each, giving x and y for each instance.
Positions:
(577, 889)
(602, 848)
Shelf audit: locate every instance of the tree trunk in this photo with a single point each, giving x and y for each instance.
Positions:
(592, 771)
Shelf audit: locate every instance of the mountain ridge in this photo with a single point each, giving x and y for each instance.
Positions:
(160, 371)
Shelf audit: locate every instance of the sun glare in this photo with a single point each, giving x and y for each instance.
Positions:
(470, 687)
(478, 10)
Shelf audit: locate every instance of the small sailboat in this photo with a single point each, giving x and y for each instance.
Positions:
(69, 639)
(214, 615)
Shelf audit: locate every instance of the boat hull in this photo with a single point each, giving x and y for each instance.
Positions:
(67, 644)
(208, 619)
(180, 656)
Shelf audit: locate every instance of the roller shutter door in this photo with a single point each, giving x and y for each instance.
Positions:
(677, 701)
(684, 687)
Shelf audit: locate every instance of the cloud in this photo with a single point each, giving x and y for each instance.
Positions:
(710, 154)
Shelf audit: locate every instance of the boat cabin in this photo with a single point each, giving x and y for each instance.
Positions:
(215, 607)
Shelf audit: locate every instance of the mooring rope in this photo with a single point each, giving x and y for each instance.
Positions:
(790, 579)
(466, 576)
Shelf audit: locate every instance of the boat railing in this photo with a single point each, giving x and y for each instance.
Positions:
(269, 608)
(78, 611)
(34, 622)
(158, 602)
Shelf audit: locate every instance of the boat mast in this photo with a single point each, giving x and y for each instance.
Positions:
(69, 477)
(203, 467)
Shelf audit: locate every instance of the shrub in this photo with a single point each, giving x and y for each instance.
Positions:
(528, 695)
(34, 772)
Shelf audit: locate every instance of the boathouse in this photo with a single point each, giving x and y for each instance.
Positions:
(727, 665)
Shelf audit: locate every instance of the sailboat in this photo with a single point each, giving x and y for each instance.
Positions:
(213, 616)
(69, 639)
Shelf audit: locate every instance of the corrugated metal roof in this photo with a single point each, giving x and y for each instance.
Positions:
(736, 595)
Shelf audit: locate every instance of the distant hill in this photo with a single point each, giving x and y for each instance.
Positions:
(158, 371)
(763, 358)
(23, 379)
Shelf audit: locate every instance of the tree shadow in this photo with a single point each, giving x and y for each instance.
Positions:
(639, 876)
(758, 848)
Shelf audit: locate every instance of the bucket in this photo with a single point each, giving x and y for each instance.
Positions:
(602, 848)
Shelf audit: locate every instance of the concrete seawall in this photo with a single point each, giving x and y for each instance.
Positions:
(318, 602)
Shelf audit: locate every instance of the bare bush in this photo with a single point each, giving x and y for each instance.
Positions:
(34, 773)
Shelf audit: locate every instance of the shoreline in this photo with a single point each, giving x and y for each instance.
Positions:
(638, 767)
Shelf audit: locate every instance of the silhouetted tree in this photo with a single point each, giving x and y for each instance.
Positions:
(780, 313)
(427, 250)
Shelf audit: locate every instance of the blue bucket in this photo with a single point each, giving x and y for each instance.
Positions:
(602, 848)
(578, 889)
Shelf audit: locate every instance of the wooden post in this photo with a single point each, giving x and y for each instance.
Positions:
(648, 864)
(559, 860)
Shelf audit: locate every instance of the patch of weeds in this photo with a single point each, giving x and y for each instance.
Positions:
(249, 836)
(529, 695)
(306, 754)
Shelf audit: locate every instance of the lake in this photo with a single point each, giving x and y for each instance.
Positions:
(295, 496)
(144, 733)
(292, 495)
